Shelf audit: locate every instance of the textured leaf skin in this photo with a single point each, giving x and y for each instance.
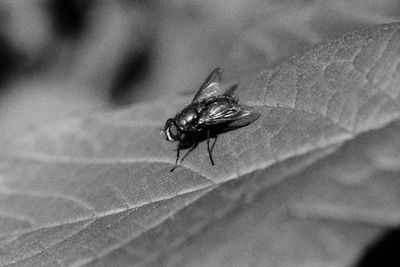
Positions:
(309, 183)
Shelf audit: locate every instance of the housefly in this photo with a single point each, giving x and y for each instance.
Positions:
(211, 112)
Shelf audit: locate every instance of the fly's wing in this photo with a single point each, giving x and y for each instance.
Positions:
(210, 87)
(233, 116)
(231, 91)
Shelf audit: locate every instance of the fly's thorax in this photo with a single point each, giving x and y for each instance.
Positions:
(187, 118)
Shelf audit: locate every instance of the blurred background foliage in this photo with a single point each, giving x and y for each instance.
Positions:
(58, 57)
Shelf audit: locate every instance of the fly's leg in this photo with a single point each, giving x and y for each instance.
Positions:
(212, 146)
(190, 150)
(177, 158)
(184, 156)
(208, 147)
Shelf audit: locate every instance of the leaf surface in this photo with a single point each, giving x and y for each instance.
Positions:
(311, 182)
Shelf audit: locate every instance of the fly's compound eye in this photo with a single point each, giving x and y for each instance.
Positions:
(171, 131)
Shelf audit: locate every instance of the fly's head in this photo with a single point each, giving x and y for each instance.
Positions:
(171, 131)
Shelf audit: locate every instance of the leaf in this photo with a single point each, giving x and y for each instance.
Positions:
(309, 183)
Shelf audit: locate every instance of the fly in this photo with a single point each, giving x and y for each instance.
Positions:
(211, 112)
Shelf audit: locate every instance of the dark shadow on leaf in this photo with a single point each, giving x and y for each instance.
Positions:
(383, 252)
(10, 61)
(70, 17)
(132, 70)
